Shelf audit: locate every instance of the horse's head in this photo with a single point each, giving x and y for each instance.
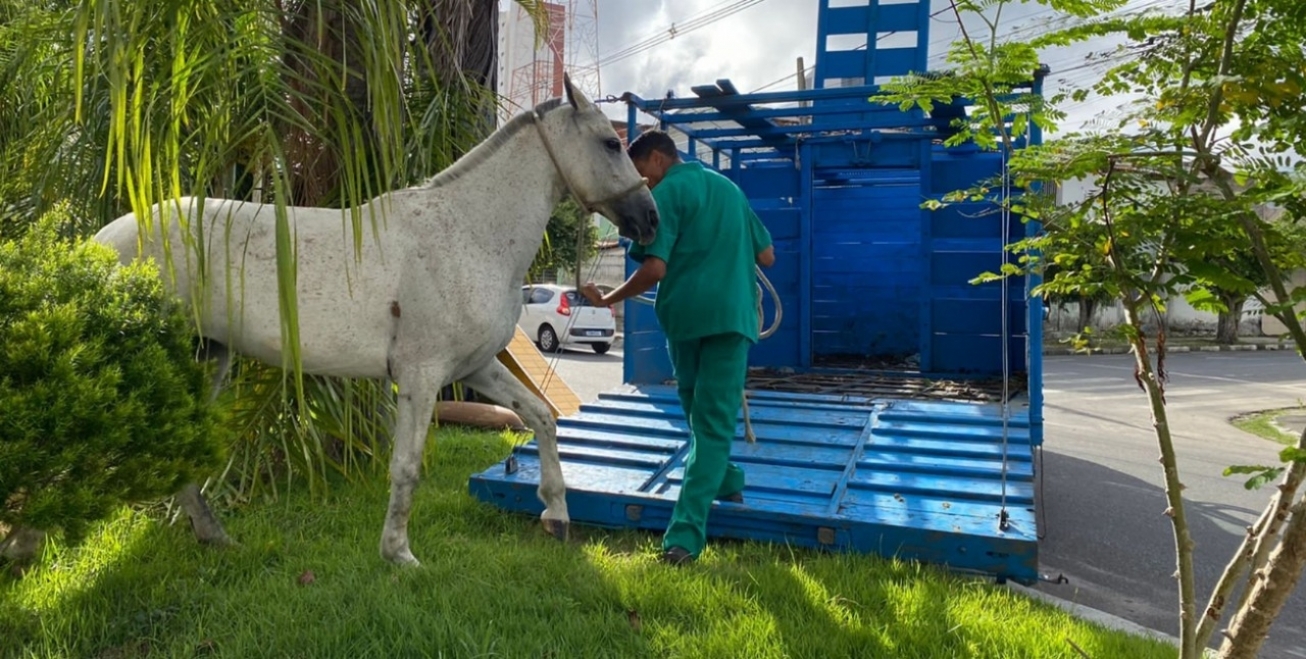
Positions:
(589, 156)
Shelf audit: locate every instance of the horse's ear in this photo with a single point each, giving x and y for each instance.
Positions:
(577, 98)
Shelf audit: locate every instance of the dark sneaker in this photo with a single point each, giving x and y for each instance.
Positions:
(737, 497)
(677, 556)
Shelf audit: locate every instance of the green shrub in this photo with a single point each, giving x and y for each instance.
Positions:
(101, 400)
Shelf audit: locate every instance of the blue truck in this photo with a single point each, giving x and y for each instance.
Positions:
(898, 407)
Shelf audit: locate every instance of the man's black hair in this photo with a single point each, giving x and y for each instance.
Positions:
(650, 141)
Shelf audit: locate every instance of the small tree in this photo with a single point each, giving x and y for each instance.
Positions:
(1285, 238)
(1178, 184)
(103, 401)
(569, 240)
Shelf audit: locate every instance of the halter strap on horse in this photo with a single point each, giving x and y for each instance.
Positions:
(589, 206)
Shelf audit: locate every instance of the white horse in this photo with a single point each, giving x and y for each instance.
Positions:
(432, 298)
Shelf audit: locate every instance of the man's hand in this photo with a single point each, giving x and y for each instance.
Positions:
(650, 272)
(593, 294)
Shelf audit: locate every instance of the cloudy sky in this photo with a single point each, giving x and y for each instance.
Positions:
(756, 43)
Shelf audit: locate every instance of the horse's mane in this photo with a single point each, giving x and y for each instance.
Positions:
(491, 145)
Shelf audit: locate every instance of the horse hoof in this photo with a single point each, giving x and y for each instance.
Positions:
(216, 540)
(404, 559)
(557, 528)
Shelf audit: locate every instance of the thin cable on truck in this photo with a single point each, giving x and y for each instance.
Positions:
(510, 465)
(580, 301)
(1003, 516)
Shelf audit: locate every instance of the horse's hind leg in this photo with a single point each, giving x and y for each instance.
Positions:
(218, 352)
(208, 530)
(497, 383)
(418, 388)
(203, 522)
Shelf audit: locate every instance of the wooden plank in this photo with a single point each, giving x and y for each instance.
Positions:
(948, 487)
(526, 363)
(862, 386)
(906, 462)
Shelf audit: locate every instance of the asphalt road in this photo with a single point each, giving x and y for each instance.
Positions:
(586, 373)
(1102, 499)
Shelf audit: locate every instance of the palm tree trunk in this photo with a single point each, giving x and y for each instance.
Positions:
(327, 29)
(462, 40)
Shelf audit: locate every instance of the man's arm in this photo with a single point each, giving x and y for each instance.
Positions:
(652, 258)
(766, 258)
(650, 272)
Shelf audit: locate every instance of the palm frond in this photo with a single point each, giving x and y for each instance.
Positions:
(116, 106)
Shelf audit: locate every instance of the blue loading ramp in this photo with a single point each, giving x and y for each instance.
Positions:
(876, 405)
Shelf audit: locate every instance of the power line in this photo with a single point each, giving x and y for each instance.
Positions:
(675, 30)
(654, 35)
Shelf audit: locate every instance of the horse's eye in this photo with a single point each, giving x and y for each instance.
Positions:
(613, 145)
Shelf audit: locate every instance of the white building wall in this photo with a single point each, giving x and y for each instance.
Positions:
(1180, 316)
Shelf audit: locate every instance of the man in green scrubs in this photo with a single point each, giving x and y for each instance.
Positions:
(708, 240)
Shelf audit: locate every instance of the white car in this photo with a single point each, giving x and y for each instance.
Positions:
(559, 317)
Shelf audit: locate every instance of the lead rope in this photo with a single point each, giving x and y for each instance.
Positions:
(1004, 518)
(588, 207)
(763, 333)
(775, 297)
(510, 465)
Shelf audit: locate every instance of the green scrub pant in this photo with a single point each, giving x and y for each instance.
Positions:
(710, 374)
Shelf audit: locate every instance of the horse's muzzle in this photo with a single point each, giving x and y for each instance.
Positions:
(650, 227)
(636, 216)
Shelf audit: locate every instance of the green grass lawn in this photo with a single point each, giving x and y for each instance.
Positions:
(493, 585)
(1262, 425)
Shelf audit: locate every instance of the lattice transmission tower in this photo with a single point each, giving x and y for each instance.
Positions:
(530, 69)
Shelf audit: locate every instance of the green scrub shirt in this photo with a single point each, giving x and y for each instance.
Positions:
(709, 237)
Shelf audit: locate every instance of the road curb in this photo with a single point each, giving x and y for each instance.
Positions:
(1241, 347)
(1097, 616)
(620, 341)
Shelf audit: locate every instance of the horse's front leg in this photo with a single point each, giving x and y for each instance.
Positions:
(208, 530)
(419, 386)
(497, 383)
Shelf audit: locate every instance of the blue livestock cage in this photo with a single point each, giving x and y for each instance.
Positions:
(878, 404)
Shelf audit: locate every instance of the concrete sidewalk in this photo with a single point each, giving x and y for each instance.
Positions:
(1247, 344)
